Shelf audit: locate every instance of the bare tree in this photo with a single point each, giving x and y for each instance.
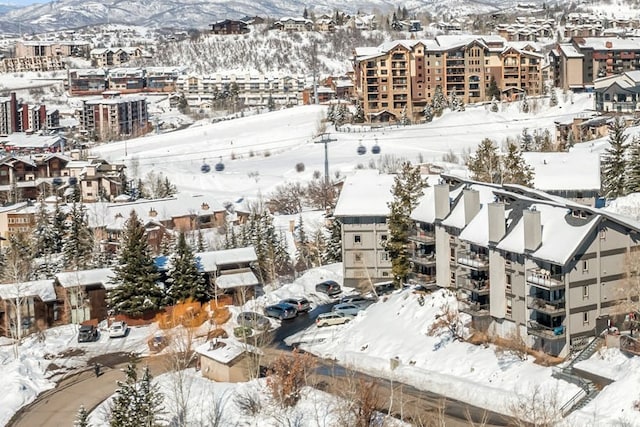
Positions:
(538, 408)
(449, 320)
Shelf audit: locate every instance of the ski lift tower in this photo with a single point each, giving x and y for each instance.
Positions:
(325, 139)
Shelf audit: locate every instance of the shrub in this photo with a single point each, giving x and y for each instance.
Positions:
(242, 331)
(287, 376)
(300, 167)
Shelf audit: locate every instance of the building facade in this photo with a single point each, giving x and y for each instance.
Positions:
(114, 116)
(403, 75)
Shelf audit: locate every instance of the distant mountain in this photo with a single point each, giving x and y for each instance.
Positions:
(66, 14)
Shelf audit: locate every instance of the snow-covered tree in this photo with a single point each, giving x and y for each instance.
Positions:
(404, 119)
(44, 234)
(358, 116)
(494, 105)
(485, 164)
(526, 141)
(524, 104)
(186, 282)
(515, 169)
(333, 249)
(137, 403)
(614, 162)
(553, 100)
(632, 180)
(271, 103)
(135, 275)
(77, 248)
(428, 113)
(408, 186)
(493, 91)
(59, 227)
(438, 102)
(82, 418)
(303, 253)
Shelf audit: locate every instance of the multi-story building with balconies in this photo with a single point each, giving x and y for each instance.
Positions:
(114, 116)
(403, 75)
(523, 261)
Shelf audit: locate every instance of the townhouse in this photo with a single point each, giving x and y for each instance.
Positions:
(404, 74)
(114, 116)
(94, 81)
(113, 56)
(523, 261)
(618, 93)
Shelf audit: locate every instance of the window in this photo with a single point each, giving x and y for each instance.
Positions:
(509, 306)
(89, 183)
(603, 234)
(452, 254)
(453, 278)
(585, 292)
(508, 283)
(585, 266)
(585, 318)
(357, 239)
(357, 257)
(384, 256)
(383, 237)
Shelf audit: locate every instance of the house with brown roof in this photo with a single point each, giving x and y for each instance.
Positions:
(229, 26)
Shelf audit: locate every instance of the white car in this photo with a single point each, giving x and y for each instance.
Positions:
(118, 329)
(332, 318)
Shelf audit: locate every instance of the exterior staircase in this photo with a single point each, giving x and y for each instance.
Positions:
(588, 389)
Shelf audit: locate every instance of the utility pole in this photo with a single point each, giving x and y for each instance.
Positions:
(314, 66)
(325, 139)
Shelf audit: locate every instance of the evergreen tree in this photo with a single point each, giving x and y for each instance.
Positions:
(136, 404)
(44, 233)
(59, 228)
(77, 249)
(331, 113)
(614, 162)
(404, 119)
(333, 249)
(526, 141)
(494, 105)
(632, 180)
(303, 254)
(358, 117)
(271, 103)
(135, 275)
(484, 164)
(493, 91)
(516, 170)
(524, 104)
(438, 102)
(82, 418)
(186, 281)
(428, 113)
(407, 189)
(553, 100)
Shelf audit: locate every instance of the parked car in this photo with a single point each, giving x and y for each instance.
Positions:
(384, 288)
(356, 299)
(332, 318)
(118, 329)
(253, 320)
(348, 308)
(329, 287)
(300, 303)
(281, 311)
(87, 333)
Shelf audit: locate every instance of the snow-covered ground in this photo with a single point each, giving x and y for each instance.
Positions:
(396, 327)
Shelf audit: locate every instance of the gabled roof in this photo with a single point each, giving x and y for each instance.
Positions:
(43, 289)
(366, 193)
(97, 276)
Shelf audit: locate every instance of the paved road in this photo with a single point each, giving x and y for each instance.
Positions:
(59, 407)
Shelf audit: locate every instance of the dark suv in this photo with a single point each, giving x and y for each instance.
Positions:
(87, 333)
(329, 287)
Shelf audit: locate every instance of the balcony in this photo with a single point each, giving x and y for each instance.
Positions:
(423, 278)
(428, 259)
(552, 308)
(546, 332)
(473, 308)
(478, 286)
(473, 260)
(423, 236)
(543, 279)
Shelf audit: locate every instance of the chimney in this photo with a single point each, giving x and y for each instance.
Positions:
(532, 229)
(471, 199)
(497, 225)
(441, 199)
(204, 206)
(152, 212)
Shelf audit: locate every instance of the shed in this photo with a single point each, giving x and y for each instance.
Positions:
(227, 360)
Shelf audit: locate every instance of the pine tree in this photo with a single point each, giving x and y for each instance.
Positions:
(135, 275)
(404, 119)
(186, 281)
(271, 103)
(438, 102)
(82, 418)
(524, 104)
(493, 91)
(358, 117)
(333, 249)
(526, 141)
(136, 404)
(44, 233)
(303, 255)
(428, 113)
(77, 249)
(553, 100)
(494, 105)
(632, 180)
(484, 164)
(516, 170)
(614, 162)
(407, 188)
(59, 228)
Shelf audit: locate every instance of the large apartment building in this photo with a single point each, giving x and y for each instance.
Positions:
(578, 63)
(403, 75)
(114, 116)
(17, 116)
(522, 261)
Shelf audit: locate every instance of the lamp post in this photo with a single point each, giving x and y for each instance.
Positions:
(325, 139)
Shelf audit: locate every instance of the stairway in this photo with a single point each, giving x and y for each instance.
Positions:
(588, 351)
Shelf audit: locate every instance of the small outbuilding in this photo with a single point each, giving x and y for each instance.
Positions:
(227, 360)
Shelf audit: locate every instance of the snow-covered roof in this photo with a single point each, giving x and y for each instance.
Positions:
(43, 289)
(569, 50)
(95, 276)
(366, 193)
(237, 280)
(121, 99)
(225, 350)
(23, 140)
(456, 217)
(234, 256)
(477, 231)
(610, 43)
(579, 170)
(425, 211)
